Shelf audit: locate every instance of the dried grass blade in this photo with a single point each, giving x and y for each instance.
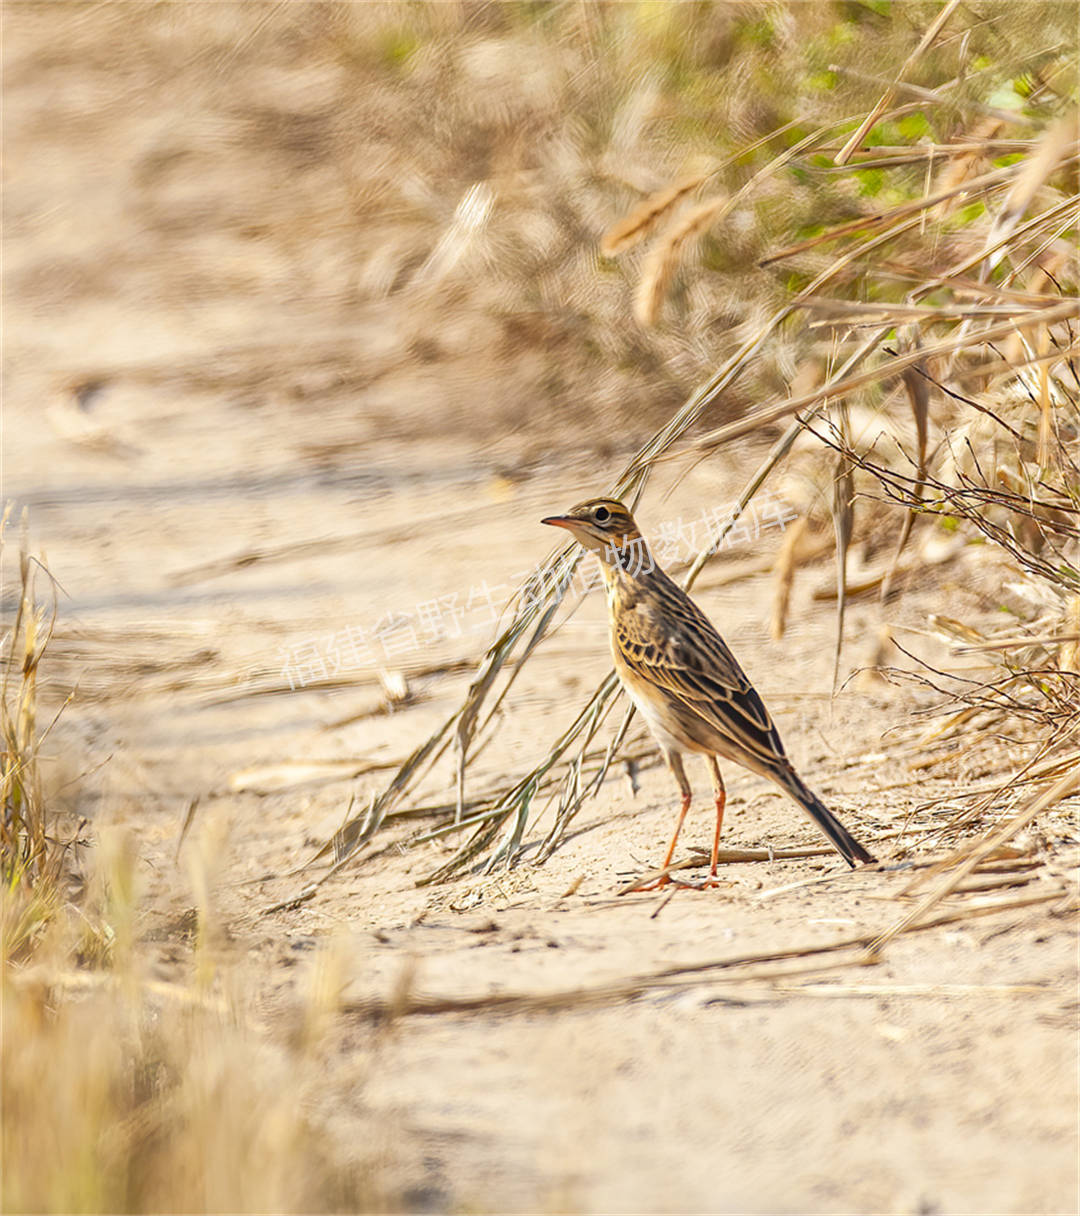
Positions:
(935, 27)
(509, 847)
(1066, 207)
(843, 513)
(787, 559)
(575, 795)
(564, 565)
(647, 214)
(1046, 420)
(663, 259)
(1070, 655)
(357, 830)
(1055, 148)
(985, 182)
(917, 383)
(511, 800)
(773, 413)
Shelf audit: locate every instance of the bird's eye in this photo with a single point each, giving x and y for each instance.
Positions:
(601, 515)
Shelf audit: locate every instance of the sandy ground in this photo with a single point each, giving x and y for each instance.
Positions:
(908, 1086)
(156, 444)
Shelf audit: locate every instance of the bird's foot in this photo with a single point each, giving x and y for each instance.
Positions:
(665, 880)
(712, 883)
(657, 884)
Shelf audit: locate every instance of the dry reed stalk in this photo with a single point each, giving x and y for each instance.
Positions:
(498, 656)
(895, 156)
(1064, 210)
(728, 856)
(932, 990)
(993, 179)
(1057, 147)
(1070, 654)
(1045, 415)
(944, 95)
(842, 313)
(963, 168)
(1048, 640)
(1013, 363)
(917, 384)
(1047, 265)
(663, 258)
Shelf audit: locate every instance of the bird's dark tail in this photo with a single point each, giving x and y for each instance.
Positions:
(842, 840)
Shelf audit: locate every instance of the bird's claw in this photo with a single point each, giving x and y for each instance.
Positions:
(656, 885)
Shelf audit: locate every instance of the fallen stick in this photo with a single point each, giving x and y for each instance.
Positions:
(687, 976)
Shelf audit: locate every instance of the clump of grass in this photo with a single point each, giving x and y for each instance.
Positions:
(126, 1095)
(120, 1091)
(124, 1092)
(31, 851)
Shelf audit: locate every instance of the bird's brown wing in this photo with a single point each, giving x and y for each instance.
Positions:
(667, 641)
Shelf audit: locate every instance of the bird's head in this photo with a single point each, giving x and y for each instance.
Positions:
(600, 524)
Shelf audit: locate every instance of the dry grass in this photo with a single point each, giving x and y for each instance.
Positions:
(121, 1095)
(644, 217)
(127, 1093)
(122, 1092)
(33, 843)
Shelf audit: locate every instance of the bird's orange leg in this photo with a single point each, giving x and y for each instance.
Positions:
(675, 837)
(721, 802)
(676, 765)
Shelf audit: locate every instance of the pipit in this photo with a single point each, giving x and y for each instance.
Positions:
(683, 679)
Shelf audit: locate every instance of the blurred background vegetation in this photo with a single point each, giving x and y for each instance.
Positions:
(460, 162)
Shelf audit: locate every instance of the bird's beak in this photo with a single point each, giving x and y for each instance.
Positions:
(562, 521)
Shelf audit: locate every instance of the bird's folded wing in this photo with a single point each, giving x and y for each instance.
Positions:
(690, 661)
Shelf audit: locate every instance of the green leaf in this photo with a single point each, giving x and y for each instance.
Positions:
(870, 181)
(822, 81)
(967, 215)
(914, 126)
(1006, 98)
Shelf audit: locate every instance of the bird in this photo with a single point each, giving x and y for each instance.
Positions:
(683, 679)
